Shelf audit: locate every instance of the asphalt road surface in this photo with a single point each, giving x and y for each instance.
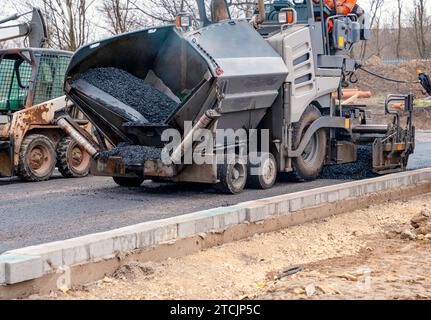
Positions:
(34, 213)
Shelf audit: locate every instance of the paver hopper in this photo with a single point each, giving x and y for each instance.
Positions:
(241, 81)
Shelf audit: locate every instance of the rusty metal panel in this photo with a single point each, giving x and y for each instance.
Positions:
(39, 115)
(205, 173)
(115, 167)
(111, 167)
(344, 152)
(156, 168)
(6, 163)
(4, 130)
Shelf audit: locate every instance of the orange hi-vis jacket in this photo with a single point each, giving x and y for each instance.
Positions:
(343, 6)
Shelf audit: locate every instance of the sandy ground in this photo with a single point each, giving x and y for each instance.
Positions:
(361, 254)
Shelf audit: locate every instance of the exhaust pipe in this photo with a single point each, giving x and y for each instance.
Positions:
(78, 137)
(219, 10)
(206, 119)
(261, 17)
(262, 14)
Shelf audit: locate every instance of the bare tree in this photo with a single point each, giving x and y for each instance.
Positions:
(165, 11)
(242, 8)
(162, 11)
(67, 21)
(377, 36)
(420, 24)
(119, 16)
(400, 28)
(375, 12)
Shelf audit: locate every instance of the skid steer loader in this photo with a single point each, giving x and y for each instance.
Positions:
(31, 92)
(276, 76)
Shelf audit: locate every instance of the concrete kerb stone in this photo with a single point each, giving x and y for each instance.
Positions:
(152, 235)
(2, 271)
(257, 212)
(19, 268)
(207, 220)
(125, 242)
(343, 194)
(76, 252)
(50, 253)
(86, 248)
(423, 174)
(276, 205)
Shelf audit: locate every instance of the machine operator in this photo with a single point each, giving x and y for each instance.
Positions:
(343, 7)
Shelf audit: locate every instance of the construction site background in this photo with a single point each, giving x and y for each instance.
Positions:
(95, 21)
(405, 71)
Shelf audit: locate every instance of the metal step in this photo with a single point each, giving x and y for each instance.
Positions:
(370, 128)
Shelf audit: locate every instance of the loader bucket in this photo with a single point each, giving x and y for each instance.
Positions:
(187, 69)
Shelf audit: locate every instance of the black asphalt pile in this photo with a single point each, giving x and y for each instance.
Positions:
(133, 154)
(362, 169)
(154, 105)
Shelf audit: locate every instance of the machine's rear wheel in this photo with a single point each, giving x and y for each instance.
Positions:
(128, 182)
(36, 158)
(72, 160)
(232, 176)
(308, 166)
(262, 175)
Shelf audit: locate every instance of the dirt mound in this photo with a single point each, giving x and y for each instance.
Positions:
(418, 228)
(405, 71)
(132, 271)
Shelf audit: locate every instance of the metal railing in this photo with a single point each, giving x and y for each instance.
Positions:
(50, 77)
(14, 84)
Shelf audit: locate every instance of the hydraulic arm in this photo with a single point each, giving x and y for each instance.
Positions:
(35, 30)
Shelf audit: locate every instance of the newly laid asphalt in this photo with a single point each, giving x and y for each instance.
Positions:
(34, 213)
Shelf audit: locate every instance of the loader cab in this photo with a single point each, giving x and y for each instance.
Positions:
(30, 76)
(15, 75)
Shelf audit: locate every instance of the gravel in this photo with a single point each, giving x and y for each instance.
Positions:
(361, 169)
(154, 105)
(133, 154)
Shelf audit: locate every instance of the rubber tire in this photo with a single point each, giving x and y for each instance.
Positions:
(303, 171)
(257, 181)
(25, 172)
(67, 170)
(224, 174)
(128, 182)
